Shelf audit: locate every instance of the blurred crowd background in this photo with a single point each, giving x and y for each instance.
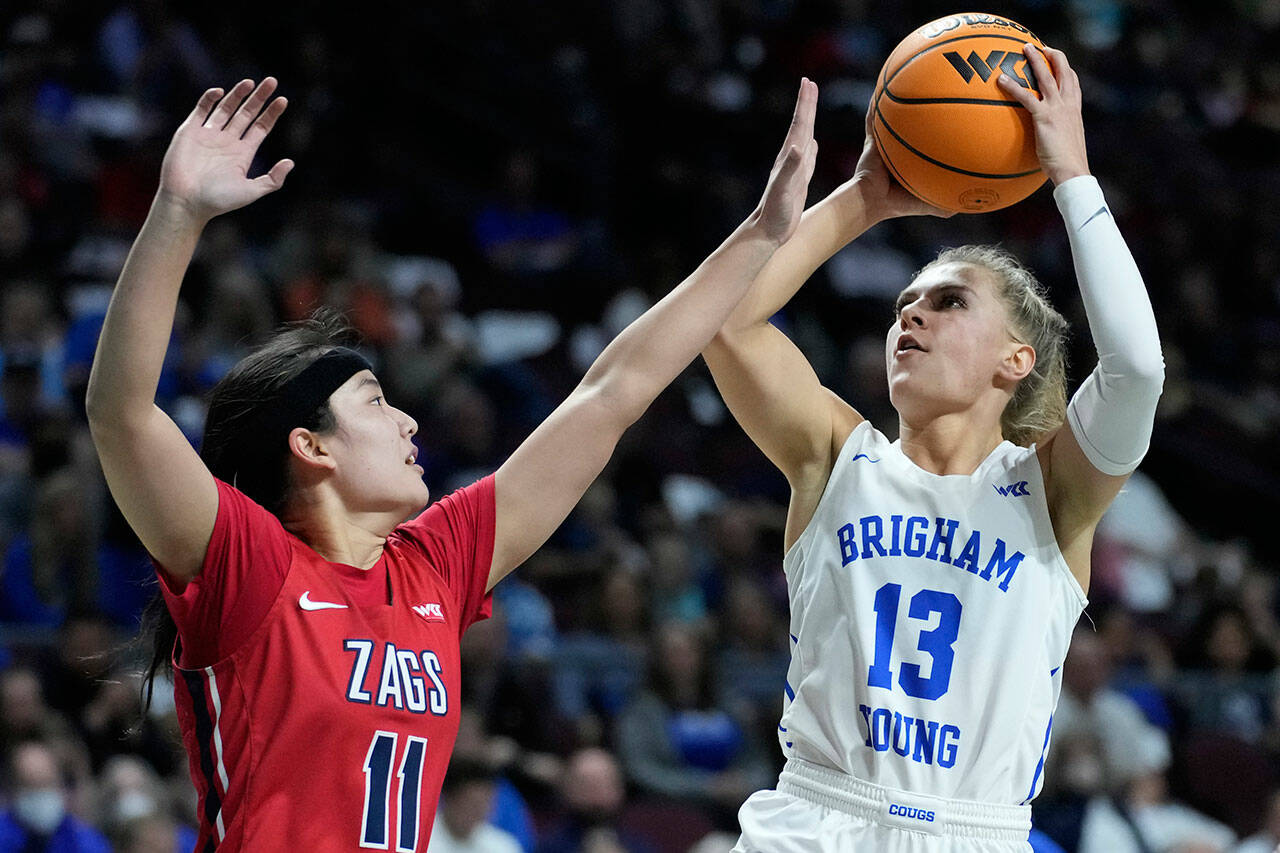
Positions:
(490, 190)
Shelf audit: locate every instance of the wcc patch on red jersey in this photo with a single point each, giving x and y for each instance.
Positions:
(317, 714)
(431, 612)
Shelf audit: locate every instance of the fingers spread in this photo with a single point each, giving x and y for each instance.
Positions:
(267, 120)
(1068, 80)
(204, 105)
(1061, 68)
(248, 110)
(1040, 67)
(219, 117)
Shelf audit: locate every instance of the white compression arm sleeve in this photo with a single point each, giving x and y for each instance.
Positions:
(1113, 412)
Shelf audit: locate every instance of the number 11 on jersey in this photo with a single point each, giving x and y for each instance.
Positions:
(377, 792)
(937, 642)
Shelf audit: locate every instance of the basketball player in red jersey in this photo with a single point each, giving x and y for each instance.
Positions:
(316, 662)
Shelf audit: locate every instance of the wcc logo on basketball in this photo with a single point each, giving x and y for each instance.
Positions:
(994, 62)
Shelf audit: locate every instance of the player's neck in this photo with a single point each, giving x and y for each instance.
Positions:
(949, 444)
(334, 532)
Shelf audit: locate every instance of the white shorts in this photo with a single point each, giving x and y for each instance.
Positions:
(817, 810)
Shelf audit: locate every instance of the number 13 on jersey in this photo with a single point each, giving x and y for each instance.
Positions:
(937, 643)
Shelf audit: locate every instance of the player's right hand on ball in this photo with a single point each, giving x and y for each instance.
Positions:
(205, 170)
(883, 196)
(778, 214)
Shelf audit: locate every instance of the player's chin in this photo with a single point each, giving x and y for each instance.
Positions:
(419, 490)
(413, 499)
(413, 475)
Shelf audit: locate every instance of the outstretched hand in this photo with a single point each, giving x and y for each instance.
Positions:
(206, 167)
(1059, 126)
(779, 212)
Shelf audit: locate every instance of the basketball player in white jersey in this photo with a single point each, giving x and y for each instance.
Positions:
(935, 580)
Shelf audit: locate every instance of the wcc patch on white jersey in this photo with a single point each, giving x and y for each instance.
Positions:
(930, 616)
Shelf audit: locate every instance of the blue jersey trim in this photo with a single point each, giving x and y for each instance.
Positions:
(1044, 750)
(204, 738)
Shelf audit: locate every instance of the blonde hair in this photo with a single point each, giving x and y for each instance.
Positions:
(1039, 402)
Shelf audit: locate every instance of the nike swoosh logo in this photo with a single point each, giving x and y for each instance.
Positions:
(306, 603)
(1096, 214)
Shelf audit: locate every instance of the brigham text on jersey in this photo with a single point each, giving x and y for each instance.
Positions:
(910, 537)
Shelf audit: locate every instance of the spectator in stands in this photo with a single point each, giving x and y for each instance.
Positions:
(676, 739)
(435, 342)
(465, 802)
(674, 594)
(598, 670)
(519, 233)
(134, 810)
(1089, 705)
(1227, 691)
(38, 819)
(1194, 141)
(25, 716)
(535, 771)
(1142, 817)
(753, 663)
(592, 795)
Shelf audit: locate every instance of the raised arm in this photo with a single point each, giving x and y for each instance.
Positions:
(1110, 417)
(165, 492)
(543, 480)
(765, 380)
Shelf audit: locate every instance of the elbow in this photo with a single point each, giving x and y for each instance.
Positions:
(94, 407)
(1138, 372)
(107, 418)
(110, 404)
(96, 410)
(1148, 372)
(99, 411)
(101, 403)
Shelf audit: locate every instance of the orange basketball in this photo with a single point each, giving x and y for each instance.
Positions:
(942, 125)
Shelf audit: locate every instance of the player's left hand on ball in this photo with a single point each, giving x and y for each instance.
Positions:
(778, 214)
(1059, 126)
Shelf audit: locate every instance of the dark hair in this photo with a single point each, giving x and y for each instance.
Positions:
(236, 453)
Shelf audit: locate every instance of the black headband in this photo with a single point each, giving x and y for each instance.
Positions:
(303, 394)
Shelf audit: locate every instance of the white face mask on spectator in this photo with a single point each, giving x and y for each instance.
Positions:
(40, 810)
(133, 804)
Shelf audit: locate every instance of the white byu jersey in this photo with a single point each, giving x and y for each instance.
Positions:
(930, 616)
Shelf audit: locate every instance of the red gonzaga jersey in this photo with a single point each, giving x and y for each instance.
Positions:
(319, 702)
